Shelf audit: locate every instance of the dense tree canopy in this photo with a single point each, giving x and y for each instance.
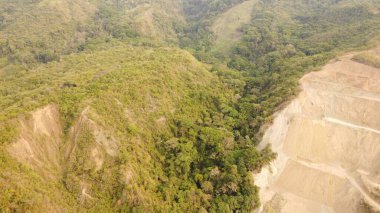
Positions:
(185, 128)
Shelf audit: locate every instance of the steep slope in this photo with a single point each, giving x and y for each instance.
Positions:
(227, 26)
(40, 31)
(34, 32)
(125, 128)
(100, 112)
(328, 143)
(39, 142)
(157, 20)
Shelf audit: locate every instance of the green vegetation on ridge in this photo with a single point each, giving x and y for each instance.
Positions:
(183, 125)
(154, 129)
(286, 39)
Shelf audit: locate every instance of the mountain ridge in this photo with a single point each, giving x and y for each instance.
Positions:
(129, 106)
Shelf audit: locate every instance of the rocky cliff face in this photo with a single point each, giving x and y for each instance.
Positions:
(328, 144)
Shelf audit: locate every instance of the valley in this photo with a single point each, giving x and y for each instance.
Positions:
(172, 105)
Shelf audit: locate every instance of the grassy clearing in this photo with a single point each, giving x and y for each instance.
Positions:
(227, 26)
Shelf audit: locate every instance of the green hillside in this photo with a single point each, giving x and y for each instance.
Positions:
(41, 31)
(130, 106)
(285, 39)
(168, 116)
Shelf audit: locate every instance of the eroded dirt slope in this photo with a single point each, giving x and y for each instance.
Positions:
(328, 144)
(42, 146)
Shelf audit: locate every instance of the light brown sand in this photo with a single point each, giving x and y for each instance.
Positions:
(328, 142)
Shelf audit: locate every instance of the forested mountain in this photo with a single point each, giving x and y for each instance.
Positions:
(129, 106)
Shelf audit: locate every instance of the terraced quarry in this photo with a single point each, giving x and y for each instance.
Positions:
(328, 144)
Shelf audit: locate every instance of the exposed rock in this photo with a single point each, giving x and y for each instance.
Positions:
(328, 143)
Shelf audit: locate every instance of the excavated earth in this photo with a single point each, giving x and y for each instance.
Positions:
(328, 144)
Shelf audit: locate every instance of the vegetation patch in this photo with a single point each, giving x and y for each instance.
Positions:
(185, 127)
(367, 59)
